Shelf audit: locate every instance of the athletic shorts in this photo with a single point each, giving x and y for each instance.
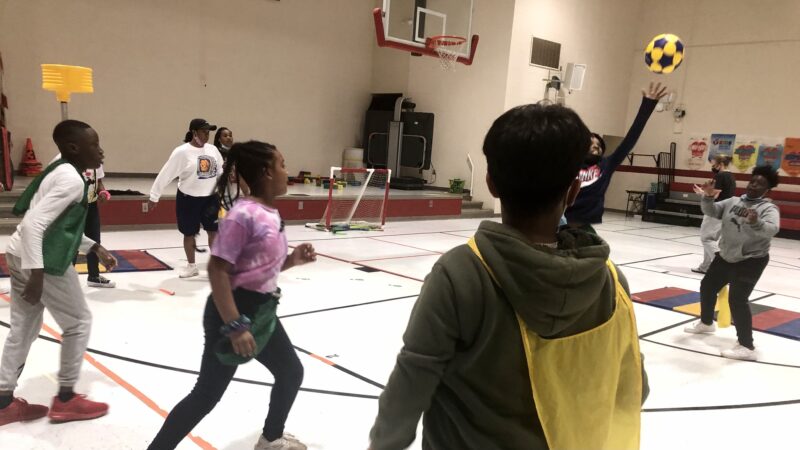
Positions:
(192, 212)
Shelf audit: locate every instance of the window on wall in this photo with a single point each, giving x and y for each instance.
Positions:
(545, 53)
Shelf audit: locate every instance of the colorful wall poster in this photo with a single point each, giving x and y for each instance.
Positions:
(791, 157)
(721, 144)
(744, 154)
(697, 147)
(770, 153)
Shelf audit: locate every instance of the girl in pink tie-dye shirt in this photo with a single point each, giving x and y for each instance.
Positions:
(246, 258)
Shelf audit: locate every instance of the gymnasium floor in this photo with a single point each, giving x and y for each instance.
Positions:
(146, 344)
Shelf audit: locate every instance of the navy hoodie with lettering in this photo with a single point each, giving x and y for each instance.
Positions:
(589, 206)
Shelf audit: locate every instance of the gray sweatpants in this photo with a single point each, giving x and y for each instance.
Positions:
(63, 298)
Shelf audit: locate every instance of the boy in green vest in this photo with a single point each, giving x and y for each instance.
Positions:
(521, 296)
(39, 257)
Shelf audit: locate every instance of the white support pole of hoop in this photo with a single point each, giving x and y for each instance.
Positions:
(360, 194)
(471, 175)
(386, 197)
(329, 209)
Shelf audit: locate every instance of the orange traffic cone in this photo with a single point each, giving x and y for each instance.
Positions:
(30, 166)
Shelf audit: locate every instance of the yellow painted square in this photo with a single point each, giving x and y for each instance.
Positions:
(691, 308)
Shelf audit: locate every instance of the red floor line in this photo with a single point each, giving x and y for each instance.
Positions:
(120, 381)
(371, 267)
(325, 360)
(393, 273)
(404, 245)
(388, 258)
(370, 237)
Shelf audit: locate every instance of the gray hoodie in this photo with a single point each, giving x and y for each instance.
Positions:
(463, 364)
(741, 240)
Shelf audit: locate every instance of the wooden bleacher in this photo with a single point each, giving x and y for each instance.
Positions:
(682, 207)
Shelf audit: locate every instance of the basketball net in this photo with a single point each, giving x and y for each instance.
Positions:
(448, 48)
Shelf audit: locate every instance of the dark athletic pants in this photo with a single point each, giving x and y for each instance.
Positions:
(742, 277)
(92, 231)
(278, 356)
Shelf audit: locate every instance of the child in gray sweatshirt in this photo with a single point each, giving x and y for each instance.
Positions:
(748, 224)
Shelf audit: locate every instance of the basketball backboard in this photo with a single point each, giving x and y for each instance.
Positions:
(410, 24)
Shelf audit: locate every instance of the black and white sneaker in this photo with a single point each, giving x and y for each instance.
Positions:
(100, 282)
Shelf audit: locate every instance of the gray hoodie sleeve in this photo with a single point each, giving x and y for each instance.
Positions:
(768, 223)
(715, 210)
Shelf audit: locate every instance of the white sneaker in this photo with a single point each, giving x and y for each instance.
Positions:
(700, 328)
(285, 442)
(189, 271)
(4, 289)
(740, 352)
(100, 282)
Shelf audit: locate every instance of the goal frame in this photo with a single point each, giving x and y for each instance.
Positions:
(328, 221)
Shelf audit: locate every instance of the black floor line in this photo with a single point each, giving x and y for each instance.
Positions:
(762, 297)
(669, 327)
(291, 241)
(194, 372)
(692, 319)
(654, 259)
(343, 369)
(673, 274)
(719, 407)
(375, 397)
(791, 266)
(347, 306)
(683, 237)
(716, 355)
(653, 237)
(677, 275)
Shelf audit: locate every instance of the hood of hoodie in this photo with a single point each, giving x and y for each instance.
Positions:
(755, 201)
(550, 288)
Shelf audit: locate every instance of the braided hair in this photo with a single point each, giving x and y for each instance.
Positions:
(249, 160)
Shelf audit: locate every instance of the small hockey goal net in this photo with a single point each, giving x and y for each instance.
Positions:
(357, 200)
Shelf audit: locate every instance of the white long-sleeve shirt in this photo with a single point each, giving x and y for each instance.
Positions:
(197, 170)
(60, 189)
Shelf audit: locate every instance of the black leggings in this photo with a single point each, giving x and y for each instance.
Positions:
(742, 277)
(278, 356)
(92, 231)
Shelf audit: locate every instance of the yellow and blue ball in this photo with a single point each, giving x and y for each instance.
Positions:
(664, 53)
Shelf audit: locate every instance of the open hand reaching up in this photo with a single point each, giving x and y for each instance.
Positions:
(655, 91)
(707, 189)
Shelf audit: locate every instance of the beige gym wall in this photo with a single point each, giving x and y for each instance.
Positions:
(296, 73)
(739, 76)
(595, 33)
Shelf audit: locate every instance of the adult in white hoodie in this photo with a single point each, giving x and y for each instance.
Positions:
(748, 224)
(197, 165)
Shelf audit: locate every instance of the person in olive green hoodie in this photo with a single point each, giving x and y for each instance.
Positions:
(521, 295)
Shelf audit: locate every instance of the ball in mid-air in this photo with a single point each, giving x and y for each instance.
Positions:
(664, 53)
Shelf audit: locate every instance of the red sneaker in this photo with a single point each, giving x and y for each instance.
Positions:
(20, 411)
(78, 408)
